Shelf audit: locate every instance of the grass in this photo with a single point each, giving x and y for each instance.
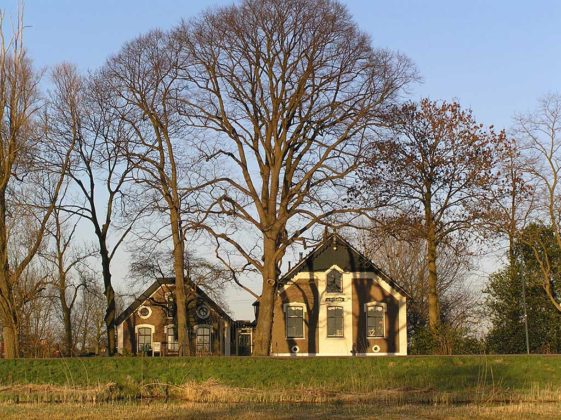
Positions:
(334, 383)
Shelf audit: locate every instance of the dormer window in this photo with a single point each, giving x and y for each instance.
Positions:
(334, 282)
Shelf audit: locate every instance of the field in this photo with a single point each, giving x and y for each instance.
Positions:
(232, 387)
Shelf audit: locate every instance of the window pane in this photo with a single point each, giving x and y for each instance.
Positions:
(203, 339)
(294, 322)
(335, 321)
(173, 345)
(334, 282)
(375, 321)
(144, 340)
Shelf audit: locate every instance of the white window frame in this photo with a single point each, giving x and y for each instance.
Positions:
(285, 310)
(144, 316)
(209, 327)
(384, 312)
(152, 331)
(176, 342)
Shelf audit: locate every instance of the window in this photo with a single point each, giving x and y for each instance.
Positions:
(375, 320)
(144, 312)
(294, 322)
(170, 305)
(334, 282)
(144, 339)
(173, 345)
(203, 338)
(335, 321)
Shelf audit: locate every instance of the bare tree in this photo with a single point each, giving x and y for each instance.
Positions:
(66, 258)
(434, 173)
(284, 94)
(99, 172)
(540, 133)
(406, 261)
(142, 83)
(27, 154)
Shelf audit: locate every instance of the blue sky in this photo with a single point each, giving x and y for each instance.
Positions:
(497, 57)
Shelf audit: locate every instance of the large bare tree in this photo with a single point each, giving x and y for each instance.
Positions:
(434, 172)
(284, 92)
(28, 156)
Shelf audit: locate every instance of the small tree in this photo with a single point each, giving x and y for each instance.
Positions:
(434, 173)
(503, 295)
(65, 258)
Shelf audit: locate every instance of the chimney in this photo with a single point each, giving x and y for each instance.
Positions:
(289, 264)
(301, 255)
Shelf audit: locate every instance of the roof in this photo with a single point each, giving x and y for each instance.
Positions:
(334, 249)
(158, 283)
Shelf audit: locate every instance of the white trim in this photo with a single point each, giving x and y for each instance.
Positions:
(332, 354)
(144, 316)
(152, 327)
(402, 325)
(166, 327)
(227, 338)
(294, 305)
(152, 331)
(120, 338)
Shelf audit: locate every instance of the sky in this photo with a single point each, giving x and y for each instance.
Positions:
(497, 57)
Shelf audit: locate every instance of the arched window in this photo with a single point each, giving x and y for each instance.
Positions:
(144, 339)
(334, 282)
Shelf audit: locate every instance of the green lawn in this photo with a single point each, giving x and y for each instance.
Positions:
(430, 378)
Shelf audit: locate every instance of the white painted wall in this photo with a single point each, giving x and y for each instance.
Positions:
(335, 346)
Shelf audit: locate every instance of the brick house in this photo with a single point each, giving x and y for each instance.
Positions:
(148, 325)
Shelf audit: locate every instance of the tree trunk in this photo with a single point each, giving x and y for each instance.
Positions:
(11, 342)
(179, 270)
(434, 309)
(7, 313)
(109, 293)
(263, 331)
(67, 321)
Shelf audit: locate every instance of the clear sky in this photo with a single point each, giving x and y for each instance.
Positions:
(495, 56)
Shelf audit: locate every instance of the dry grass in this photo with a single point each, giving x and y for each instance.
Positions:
(214, 392)
(275, 411)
